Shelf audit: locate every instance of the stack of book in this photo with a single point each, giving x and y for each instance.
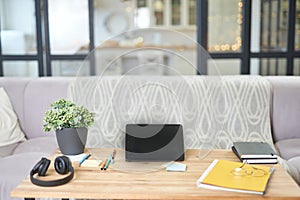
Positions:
(255, 152)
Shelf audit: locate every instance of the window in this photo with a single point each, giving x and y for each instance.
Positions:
(262, 34)
(225, 25)
(19, 49)
(18, 33)
(68, 26)
(52, 37)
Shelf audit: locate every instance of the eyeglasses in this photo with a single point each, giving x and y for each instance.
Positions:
(248, 170)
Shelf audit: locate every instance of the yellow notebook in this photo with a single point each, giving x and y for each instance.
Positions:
(232, 176)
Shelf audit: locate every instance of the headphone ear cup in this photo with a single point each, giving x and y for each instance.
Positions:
(62, 164)
(43, 167)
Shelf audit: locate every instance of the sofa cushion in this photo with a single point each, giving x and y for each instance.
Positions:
(14, 169)
(288, 148)
(18, 165)
(285, 107)
(7, 150)
(294, 164)
(10, 131)
(40, 144)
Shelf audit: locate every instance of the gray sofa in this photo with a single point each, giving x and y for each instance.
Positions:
(31, 98)
(285, 115)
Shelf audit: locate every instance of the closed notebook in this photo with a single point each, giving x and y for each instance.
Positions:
(260, 161)
(255, 150)
(219, 175)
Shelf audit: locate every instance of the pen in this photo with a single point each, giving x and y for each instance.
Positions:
(107, 163)
(103, 164)
(113, 156)
(84, 158)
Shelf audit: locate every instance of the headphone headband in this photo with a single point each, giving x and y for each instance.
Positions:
(51, 183)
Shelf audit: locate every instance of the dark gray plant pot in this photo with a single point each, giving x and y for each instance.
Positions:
(71, 141)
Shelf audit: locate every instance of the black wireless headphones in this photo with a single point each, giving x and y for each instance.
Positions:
(62, 165)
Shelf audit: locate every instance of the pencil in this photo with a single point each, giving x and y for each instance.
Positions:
(107, 163)
(103, 164)
(100, 163)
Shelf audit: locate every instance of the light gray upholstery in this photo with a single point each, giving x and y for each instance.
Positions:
(285, 117)
(7, 150)
(288, 148)
(285, 107)
(294, 164)
(14, 169)
(31, 97)
(38, 95)
(38, 144)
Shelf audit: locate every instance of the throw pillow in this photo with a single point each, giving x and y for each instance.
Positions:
(10, 131)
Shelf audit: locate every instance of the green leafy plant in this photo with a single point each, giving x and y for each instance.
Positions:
(66, 114)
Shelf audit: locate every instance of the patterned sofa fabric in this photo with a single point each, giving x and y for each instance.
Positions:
(214, 111)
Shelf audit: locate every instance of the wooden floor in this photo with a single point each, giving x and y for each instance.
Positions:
(91, 183)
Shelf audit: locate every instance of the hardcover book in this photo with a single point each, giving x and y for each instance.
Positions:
(254, 152)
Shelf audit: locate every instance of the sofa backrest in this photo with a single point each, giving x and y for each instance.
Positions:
(285, 111)
(15, 89)
(31, 97)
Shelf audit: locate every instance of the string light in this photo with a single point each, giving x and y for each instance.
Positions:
(238, 40)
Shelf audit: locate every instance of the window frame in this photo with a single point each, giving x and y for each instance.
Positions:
(44, 57)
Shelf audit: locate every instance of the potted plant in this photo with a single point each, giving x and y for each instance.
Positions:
(70, 123)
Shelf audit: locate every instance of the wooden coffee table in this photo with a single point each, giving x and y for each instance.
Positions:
(92, 183)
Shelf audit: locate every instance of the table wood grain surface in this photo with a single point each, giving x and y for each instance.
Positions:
(92, 183)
